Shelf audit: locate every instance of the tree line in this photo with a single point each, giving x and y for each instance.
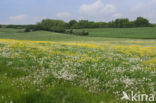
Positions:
(68, 27)
(118, 23)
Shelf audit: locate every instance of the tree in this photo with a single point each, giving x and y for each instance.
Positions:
(72, 23)
(142, 22)
(131, 24)
(52, 25)
(100, 25)
(83, 24)
(121, 23)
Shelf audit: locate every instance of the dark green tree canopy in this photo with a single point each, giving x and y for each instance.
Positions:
(72, 23)
(141, 22)
(52, 25)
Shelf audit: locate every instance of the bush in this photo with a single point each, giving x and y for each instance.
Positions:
(27, 30)
(16, 26)
(30, 28)
(75, 32)
(84, 33)
(57, 29)
(69, 31)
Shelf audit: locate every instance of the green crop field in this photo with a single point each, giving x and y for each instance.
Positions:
(43, 36)
(137, 33)
(47, 67)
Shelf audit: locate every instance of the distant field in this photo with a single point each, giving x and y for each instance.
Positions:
(143, 33)
(47, 36)
(111, 34)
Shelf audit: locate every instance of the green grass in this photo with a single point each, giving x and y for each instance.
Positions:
(136, 33)
(112, 34)
(43, 36)
(73, 69)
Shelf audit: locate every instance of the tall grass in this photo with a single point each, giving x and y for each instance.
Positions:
(75, 72)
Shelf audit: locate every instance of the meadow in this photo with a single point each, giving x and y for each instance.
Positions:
(46, 67)
(135, 33)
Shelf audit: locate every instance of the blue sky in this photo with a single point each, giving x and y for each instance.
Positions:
(32, 11)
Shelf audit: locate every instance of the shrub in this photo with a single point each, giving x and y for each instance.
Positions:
(57, 29)
(69, 31)
(75, 32)
(16, 26)
(27, 30)
(84, 33)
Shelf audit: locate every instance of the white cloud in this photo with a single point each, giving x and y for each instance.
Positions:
(23, 19)
(98, 11)
(117, 15)
(146, 9)
(64, 15)
(97, 8)
(138, 7)
(106, 12)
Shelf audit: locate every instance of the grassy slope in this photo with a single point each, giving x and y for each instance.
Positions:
(143, 33)
(115, 34)
(44, 36)
(154, 25)
(55, 94)
(61, 90)
(28, 71)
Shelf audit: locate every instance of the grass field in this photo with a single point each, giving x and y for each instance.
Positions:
(94, 34)
(45, 67)
(43, 36)
(136, 33)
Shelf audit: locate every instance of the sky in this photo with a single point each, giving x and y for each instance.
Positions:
(33, 11)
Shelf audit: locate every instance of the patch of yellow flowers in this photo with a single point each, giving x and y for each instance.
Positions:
(130, 50)
(137, 49)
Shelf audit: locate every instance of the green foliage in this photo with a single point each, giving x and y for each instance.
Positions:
(72, 23)
(100, 25)
(118, 23)
(141, 22)
(27, 30)
(83, 24)
(122, 23)
(52, 25)
(60, 26)
(94, 34)
(84, 33)
(30, 28)
(75, 32)
(16, 26)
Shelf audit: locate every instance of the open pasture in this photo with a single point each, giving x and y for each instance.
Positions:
(134, 33)
(74, 72)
